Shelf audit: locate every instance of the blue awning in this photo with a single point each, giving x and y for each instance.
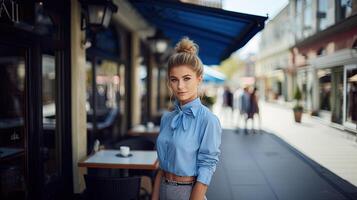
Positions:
(218, 32)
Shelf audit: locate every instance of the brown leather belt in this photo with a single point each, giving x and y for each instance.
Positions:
(173, 177)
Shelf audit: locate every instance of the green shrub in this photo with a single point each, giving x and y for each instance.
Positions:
(297, 94)
(298, 97)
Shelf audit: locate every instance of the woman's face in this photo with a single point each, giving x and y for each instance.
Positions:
(184, 83)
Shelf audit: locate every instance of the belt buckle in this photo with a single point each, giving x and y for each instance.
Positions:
(170, 182)
(177, 183)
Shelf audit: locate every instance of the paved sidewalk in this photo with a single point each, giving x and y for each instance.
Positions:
(334, 149)
(261, 166)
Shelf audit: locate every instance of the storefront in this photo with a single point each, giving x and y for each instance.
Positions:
(336, 74)
(330, 93)
(274, 85)
(328, 83)
(35, 115)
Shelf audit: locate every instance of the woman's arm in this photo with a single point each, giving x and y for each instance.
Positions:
(156, 189)
(198, 192)
(207, 157)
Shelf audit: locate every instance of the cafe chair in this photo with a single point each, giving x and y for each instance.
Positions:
(136, 143)
(112, 188)
(139, 143)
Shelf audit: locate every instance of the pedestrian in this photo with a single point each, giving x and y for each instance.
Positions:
(237, 106)
(227, 104)
(190, 135)
(253, 108)
(245, 105)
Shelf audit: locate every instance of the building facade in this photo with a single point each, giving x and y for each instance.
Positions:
(311, 44)
(275, 75)
(324, 56)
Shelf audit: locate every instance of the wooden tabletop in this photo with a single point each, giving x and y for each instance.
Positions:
(108, 159)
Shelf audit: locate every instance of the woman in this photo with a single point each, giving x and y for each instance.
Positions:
(190, 136)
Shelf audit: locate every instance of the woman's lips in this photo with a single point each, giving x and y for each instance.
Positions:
(181, 93)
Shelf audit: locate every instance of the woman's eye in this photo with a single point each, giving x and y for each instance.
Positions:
(173, 80)
(187, 79)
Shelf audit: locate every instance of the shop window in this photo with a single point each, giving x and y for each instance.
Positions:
(51, 140)
(345, 9)
(307, 29)
(104, 88)
(324, 77)
(325, 14)
(299, 18)
(103, 100)
(13, 152)
(337, 94)
(351, 95)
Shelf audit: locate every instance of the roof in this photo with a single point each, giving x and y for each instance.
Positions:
(218, 32)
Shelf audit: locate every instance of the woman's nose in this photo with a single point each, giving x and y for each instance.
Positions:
(180, 85)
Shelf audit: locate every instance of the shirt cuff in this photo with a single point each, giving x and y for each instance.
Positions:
(204, 175)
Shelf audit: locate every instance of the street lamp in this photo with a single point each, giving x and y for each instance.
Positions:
(97, 13)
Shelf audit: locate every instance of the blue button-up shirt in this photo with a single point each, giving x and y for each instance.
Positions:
(189, 140)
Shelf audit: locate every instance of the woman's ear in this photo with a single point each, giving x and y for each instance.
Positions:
(200, 79)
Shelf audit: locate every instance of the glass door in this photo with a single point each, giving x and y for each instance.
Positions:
(325, 88)
(337, 95)
(350, 97)
(13, 129)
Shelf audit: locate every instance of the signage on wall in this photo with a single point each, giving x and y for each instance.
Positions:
(17, 12)
(9, 10)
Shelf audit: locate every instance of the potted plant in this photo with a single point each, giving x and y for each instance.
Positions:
(297, 107)
(208, 101)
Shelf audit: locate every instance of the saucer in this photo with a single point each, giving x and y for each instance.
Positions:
(119, 155)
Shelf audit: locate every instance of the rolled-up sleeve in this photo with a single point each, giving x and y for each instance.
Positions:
(209, 151)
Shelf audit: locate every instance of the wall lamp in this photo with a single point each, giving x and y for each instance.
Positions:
(96, 14)
(159, 42)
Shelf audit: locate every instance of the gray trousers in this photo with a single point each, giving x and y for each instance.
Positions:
(171, 191)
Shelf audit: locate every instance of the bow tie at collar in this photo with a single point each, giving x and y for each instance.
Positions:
(184, 113)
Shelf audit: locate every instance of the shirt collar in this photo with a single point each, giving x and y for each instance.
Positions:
(193, 105)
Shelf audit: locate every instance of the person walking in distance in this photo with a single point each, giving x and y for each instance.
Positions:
(190, 135)
(253, 108)
(237, 106)
(227, 104)
(245, 105)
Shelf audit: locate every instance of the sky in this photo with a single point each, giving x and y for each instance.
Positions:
(255, 7)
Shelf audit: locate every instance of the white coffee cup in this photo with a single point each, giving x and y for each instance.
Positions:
(124, 150)
(150, 125)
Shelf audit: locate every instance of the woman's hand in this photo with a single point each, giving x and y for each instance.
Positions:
(198, 192)
(156, 190)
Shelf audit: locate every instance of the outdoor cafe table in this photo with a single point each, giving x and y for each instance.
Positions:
(108, 159)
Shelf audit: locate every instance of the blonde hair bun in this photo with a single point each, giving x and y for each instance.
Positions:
(186, 46)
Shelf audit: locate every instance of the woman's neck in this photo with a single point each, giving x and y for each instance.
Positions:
(182, 103)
